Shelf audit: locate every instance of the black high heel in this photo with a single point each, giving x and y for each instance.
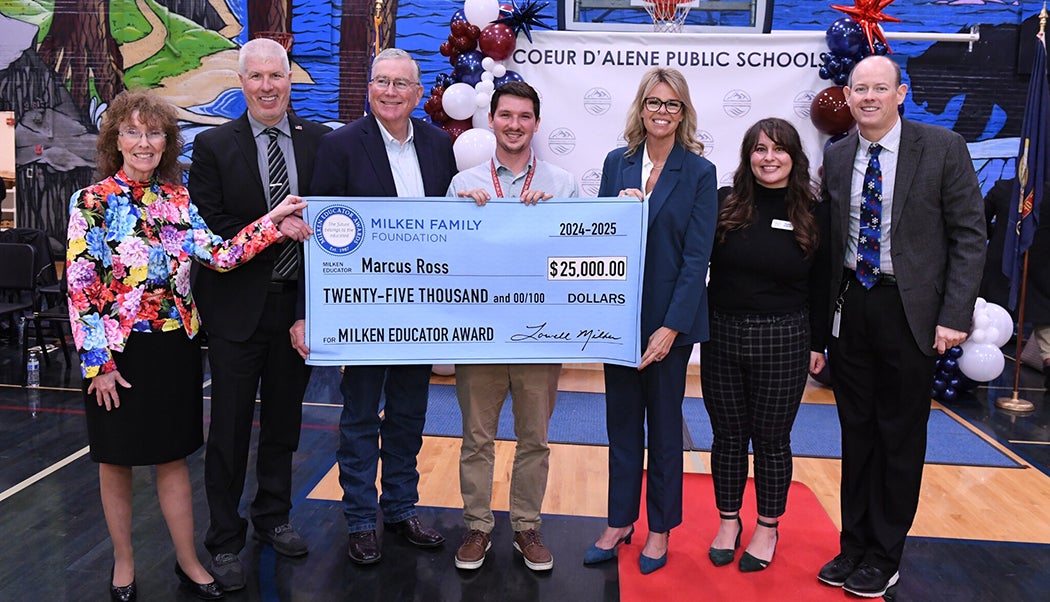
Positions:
(123, 593)
(750, 564)
(204, 591)
(722, 557)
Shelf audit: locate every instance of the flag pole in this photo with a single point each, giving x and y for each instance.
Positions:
(1014, 403)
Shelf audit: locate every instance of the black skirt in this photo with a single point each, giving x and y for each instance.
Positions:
(160, 418)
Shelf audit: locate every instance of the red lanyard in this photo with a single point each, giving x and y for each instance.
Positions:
(528, 178)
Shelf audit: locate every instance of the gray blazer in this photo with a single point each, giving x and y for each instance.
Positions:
(938, 242)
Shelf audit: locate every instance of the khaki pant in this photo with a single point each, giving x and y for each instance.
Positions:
(481, 389)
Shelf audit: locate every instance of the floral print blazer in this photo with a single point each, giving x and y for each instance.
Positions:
(128, 262)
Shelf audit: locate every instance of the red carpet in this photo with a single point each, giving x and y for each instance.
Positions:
(808, 539)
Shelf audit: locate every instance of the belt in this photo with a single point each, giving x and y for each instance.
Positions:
(281, 286)
(884, 279)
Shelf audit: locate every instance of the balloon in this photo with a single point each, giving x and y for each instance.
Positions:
(468, 68)
(949, 394)
(445, 48)
(462, 43)
(939, 385)
(487, 76)
(485, 86)
(482, 99)
(846, 37)
(458, 101)
(460, 28)
(487, 63)
(443, 369)
(1002, 321)
(949, 364)
(498, 70)
(497, 41)
(954, 352)
(481, 118)
(456, 128)
(981, 319)
(457, 16)
(979, 335)
(829, 111)
(981, 362)
(509, 76)
(474, 32)
(473, 147)
(481, 12)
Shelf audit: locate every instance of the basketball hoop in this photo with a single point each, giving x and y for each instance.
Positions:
(281, 37)
(668, 15)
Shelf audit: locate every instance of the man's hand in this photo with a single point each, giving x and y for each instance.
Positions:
(531, 197)
(298, 334)
(816, 362)
(104, 386)
(946, 338)
(295, 228)
(480, 196)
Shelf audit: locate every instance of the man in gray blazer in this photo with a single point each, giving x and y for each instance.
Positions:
(907, 247)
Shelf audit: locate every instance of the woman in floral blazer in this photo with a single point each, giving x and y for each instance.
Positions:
(132, 237)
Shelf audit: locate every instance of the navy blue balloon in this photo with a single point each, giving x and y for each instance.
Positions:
(939, 385)
(949, 394)
(955, 352)
(823, 72)
(468, 67)
(841, 79)
(459, 15)
(949, 364)
(845, 37)
(510, 76)
(954, 382)
(880, 48)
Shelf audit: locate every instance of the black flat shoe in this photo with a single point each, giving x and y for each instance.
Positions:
(750, 564)
(720, 556)
(204, 591)
(123, 593)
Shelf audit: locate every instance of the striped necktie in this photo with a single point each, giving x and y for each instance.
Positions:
(287, 265)
(868, 271)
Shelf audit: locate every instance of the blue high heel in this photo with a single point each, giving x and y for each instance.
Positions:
(596, 554)
(648, 565)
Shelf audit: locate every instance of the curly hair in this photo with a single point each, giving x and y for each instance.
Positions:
(738, 210)
(154, 114)
(685, 133)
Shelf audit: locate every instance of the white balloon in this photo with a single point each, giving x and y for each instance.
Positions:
(979, 303)
(981, 362)
(981, 319)
(444, 369)
(481, 100)
(458, 101)
(485, 86)
(481, 12)
(487, 76)
(487, 63)
(499, 70)
(473, 147)
(1002, 321)
(979, 335)
(481, 118)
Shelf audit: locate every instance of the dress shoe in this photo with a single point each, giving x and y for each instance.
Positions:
(416, 532)
(123, 593)
(838, 569)
(722, 556)
(596, 554)
(648, 565)
(284, 539)
(204, 591)
(364, 548)
(870, 582)
(537, 556)
(228, 571)
(471, 553)
(751, 564)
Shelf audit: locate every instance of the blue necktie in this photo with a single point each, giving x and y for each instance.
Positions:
(868, 271)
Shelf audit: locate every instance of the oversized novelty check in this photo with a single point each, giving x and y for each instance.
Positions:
(421, 281)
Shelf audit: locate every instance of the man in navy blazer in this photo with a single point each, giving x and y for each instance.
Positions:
(384, 154)
(247, 314)
(887, 333)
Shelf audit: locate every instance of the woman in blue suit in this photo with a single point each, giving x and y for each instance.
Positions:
(661, 166)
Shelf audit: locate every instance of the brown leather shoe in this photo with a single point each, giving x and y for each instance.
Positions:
(530, 544)
(416, 532)
(364, 548)
(471, 553)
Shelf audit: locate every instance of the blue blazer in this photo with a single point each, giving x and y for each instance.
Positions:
(683, 212)
(352, 161)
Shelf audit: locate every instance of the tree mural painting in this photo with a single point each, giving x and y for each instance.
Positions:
(81, 50)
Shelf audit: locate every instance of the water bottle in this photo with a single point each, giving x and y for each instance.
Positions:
(33, 369)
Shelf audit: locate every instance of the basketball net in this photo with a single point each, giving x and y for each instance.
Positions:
(667, 15)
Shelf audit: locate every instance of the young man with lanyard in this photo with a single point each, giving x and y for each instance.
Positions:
(514, 171)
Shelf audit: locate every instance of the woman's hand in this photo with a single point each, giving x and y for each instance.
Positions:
(104, 386)
(291, 205)
(635, 192)
(659, 344)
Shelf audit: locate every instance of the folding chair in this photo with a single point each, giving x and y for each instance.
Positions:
(17, 286)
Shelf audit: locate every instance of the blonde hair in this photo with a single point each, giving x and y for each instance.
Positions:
(685, 133)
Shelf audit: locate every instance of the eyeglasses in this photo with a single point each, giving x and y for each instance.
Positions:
(653, 104)
(399, 84)
(152, 136)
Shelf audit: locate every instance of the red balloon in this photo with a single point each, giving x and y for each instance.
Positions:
(445, 48)
(473, 32)
(460, 28)
(439, 116)
(455, 127)
(452, 57)
(463, 43)
(497, 41)
(830, 113)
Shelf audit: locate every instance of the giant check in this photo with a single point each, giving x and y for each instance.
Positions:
(421, 281)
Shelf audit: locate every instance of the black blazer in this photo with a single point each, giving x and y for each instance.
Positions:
(227, 188)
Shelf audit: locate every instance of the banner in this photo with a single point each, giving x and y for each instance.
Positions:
(587, 81)
(424, 281)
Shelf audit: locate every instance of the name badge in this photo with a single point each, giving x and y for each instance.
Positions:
(782, 224)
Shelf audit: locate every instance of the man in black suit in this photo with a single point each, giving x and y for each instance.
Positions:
(248, 312)
(384, 154)
(908, 244)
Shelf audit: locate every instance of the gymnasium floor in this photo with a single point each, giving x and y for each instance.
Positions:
(982, 533)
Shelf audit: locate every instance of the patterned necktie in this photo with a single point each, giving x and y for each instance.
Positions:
(868, 272)
(287, 265)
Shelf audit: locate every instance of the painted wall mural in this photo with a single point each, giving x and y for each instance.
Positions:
(61, 61)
